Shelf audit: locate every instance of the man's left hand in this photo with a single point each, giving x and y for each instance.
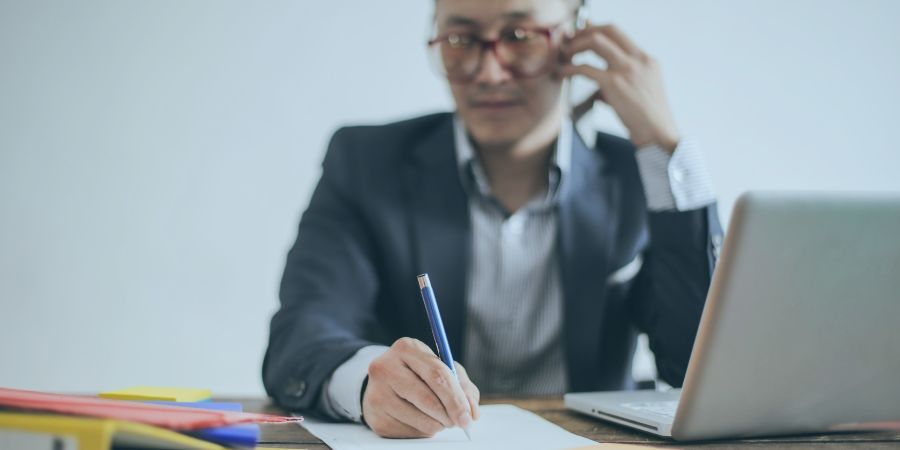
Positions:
(631, 84)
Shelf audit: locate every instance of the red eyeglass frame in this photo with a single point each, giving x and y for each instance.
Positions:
(549, 33)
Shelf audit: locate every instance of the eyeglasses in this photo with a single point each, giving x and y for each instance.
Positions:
(523, 51)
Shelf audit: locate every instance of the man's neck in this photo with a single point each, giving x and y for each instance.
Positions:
(517, 172)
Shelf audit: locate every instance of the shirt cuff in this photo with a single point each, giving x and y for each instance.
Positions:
(677, 181)
(343, 389)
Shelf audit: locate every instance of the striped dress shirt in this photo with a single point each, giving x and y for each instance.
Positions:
(514, 310)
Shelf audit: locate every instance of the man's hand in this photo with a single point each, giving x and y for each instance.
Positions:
(631, 84)
(411, 393)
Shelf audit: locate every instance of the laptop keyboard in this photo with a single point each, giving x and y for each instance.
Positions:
(665, 408)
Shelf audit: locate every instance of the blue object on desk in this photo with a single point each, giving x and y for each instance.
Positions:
(437, 327)
(242, 435)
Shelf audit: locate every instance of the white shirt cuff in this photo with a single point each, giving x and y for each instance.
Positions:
(677, 181)
(344, 387)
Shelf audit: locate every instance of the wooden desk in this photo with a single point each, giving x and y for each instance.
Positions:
(552, 409)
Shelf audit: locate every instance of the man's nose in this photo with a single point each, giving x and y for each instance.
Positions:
(491, 71)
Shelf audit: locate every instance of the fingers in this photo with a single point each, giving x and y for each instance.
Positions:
(473, 395)
(409, 387)
(408, 414)
(619, 37)
(631, 83)
(411, 393)
(607, 41)
(600, 76)
(593, 40)
(388, 426)
(441, 381)
(393, 372)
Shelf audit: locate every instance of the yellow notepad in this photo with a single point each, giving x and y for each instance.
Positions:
(166, 394)
(100, 434)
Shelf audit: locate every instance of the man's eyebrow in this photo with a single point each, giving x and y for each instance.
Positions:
(519, 15)
(468, 21)
(460, 20)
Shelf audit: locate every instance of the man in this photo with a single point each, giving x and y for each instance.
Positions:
(546, 255)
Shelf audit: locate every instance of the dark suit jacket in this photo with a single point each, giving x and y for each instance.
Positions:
(390, 205)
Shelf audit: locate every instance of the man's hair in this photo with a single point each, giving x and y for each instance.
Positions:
(574, 3)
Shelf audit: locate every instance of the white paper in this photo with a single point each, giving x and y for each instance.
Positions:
(500, 426)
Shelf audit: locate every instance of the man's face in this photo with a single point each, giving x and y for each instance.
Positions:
(497, 106)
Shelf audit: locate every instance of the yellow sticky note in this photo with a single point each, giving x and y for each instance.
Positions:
(166, 394)
(102, 434)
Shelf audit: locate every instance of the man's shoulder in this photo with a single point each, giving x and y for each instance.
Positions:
(617, 153)
(372, 155)
(392, 135)
(612, 145)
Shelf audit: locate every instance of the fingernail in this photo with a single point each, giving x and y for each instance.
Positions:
(464, 419)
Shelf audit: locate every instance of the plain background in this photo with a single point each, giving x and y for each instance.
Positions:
(155, 156)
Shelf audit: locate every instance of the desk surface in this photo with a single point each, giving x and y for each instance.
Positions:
(552, 409)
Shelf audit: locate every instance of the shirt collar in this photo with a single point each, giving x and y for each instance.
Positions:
(473, 175)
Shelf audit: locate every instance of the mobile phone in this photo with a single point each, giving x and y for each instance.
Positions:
(581, 18)
(581, 15)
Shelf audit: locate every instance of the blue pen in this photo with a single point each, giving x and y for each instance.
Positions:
(437, 327)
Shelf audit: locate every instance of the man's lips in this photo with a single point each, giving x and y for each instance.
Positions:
(494, 103)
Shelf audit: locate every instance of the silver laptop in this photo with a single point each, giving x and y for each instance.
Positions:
(801, 328)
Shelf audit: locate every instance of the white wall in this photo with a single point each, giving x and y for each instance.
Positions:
(155, 156)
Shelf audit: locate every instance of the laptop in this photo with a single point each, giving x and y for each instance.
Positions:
(801, 328)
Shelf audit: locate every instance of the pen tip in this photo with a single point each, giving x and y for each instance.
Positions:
(468, 435)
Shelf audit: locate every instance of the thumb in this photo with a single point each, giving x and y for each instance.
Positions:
(473, 395)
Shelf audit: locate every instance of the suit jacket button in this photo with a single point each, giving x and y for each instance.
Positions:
(717, 245)
(295, 387)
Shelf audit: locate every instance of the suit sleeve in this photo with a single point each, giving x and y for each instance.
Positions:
(669, 292)
(328, 288)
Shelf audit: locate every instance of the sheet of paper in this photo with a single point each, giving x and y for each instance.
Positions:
(500, 426)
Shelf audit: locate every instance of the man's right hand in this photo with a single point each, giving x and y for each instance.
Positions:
(411, 393)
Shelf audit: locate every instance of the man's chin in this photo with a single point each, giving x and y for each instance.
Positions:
(494, 140)
(495, 134)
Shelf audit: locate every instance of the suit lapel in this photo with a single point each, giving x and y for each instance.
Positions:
(585, 230)
(439, 228)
